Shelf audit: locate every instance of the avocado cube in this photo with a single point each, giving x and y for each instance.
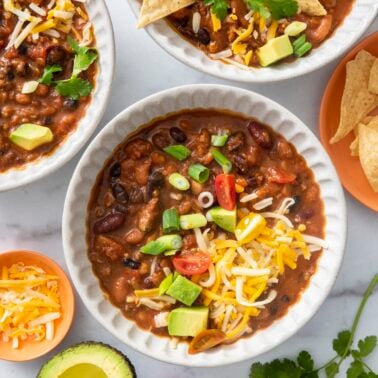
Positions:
(276, 49)
(30, 136)
(184, 321)
(223, 218)
(184, 290)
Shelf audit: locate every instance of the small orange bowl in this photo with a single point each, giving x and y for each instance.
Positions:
(31, 349)
(348, 167)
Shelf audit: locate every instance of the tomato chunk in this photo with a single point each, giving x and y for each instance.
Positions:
(280, 176)
(225, 191)
(205, 340)
(191, 263)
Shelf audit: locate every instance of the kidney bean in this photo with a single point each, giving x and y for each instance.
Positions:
(203, 36)
(120, 193)
(177, 134)
(161, 140)
(260, 134)
(109, 223)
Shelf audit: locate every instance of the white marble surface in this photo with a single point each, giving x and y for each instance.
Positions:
(30, 217)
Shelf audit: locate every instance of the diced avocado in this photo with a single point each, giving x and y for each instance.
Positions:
(295, 28)
(184, 321)
(88, 360)
(30, 136)
(274, 50)
(223, 218)
(184, 290)
(165, 284)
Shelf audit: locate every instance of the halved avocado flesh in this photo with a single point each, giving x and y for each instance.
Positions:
(88, 360)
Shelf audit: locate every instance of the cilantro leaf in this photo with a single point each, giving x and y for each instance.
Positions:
(84, 56)
(218, 7)
(341, 342)
(74, 88)
(305, 361)
(331, 370)
(48, 74)
(276, 8)
(259, 7)
(367, 345)
(355, 370)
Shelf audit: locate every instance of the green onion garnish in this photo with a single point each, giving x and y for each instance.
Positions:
(179, 181)
(299, 42)
(219, 140)
(162, 244)
(222, 160)
(165, 284)
(199, 173)
(171, 221)
(303, 49)
(171, 252)
(178, 151)
(190, 221)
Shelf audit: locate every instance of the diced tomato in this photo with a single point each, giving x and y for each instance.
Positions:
(225, 191)
(280, 176)
(205, 340)
(192, 263)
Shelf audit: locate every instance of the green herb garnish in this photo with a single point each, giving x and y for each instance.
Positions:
(171, 221)
(199, 173)
(74, 88)
(222, 160)
(84, 57)
(178, 151)
(304, 366)
(162, 244)
(48, 74)
(276, 9)
(218, 7)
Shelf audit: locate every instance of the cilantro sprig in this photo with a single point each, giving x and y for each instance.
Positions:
(304, 366)
(74, 87)
(276, 9)
(218, 7)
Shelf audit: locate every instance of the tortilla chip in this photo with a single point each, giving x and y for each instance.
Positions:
(354, 146)
(370, 121)
(357, 102)
(153, 10)
(311, 7)
(368, 149)
(373, 78)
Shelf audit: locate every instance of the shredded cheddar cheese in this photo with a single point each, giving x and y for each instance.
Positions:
(29, 303)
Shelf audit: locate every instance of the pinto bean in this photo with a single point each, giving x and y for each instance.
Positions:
(118, 289)
(109, 223)
(134, 236)
(141, 172)
(136, 195)
(138, 148)
(148, 215)
(109, 247)
(260, 134)
(236, 141)
(161, 139)
(284, 149)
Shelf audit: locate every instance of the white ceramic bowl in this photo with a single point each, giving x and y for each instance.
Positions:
(99, 16)
(355, 24)
(172, 100)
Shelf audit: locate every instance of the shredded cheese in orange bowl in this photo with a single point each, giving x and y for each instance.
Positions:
(36, 305)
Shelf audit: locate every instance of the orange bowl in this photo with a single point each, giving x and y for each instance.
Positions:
(348, 167)
(29, 350)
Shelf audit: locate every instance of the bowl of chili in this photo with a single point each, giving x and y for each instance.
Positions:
(167, 176)
(57, 63)
(237, 39)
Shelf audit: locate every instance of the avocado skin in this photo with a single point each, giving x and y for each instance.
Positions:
(90, 344)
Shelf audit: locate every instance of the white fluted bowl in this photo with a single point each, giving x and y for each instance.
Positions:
(103, 30)
(191, 97)
(354, 25)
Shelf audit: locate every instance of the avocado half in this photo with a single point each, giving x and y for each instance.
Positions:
(88, 360)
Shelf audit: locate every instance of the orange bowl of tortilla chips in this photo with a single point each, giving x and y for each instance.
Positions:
(349, 121)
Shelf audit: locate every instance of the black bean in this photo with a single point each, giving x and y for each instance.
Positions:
(47, 121)
(240, 163)
(56, 54)
(115, 170)
(161, 139)
(260, 134)
(297, 202)
(109, 223)
(273, 310)
(203, 36)
(285, 298)
(23, 49)
(10, 74)
(177, 134)
(120, 193)
(130, 263)
(71, 104)
(155, 180)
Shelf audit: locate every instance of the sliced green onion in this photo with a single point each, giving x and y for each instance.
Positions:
(171, 221)
(199, 173)
(179, 181)
(299, 42)
(190, 221)
(305, 48)
(219, 140)
(171, 252)
(162, 244)
(222, 160)
(178, 151)
(165, 284)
